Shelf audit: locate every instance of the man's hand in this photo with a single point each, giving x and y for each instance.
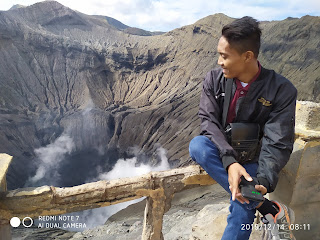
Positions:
(261, 189)
(235, 171)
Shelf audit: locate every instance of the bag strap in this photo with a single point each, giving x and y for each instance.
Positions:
(227, 99)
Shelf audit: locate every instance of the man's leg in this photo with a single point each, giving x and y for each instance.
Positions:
(241, 215)
(206, 154)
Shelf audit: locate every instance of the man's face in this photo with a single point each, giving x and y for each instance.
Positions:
(232, 62)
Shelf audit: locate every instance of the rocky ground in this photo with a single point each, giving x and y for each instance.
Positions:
(196, 214)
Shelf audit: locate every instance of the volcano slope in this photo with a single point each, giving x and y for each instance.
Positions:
(115, 94)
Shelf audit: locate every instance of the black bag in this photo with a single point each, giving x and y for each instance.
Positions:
(244, 139)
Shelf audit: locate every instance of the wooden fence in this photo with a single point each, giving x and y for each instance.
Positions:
(158, 187)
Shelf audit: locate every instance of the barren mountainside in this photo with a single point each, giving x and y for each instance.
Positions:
(64, 72)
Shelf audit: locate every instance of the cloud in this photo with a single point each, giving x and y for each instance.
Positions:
(165, 15)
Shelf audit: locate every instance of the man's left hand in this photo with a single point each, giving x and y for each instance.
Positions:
(261, 189)
(243, 200)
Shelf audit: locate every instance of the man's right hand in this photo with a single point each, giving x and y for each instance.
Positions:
(235, 171)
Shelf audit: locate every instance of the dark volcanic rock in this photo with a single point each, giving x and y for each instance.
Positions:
(64, 72)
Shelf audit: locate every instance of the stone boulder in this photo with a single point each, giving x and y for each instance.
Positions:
(299, 184)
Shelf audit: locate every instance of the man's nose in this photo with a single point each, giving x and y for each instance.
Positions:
(220, 62)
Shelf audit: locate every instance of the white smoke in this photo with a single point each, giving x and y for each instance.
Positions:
(89, 129)
(99, 216)
(50, 157)
(123, 168)
(129, 167)
(88, 107)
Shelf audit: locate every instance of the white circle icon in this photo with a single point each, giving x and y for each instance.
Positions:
(27, 218)
(15, 222)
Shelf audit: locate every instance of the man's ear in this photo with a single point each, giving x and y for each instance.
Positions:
(249, 55)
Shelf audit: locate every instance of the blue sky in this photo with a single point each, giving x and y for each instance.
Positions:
(165, 15)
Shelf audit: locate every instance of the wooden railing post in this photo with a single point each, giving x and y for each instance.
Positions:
(5, 229)
(160, 195)
(153, 217)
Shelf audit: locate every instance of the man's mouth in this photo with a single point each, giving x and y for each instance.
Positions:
(224, 70)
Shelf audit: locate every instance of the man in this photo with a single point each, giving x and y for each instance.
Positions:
(260, 96)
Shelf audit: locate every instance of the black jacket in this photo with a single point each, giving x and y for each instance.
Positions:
(270, 102)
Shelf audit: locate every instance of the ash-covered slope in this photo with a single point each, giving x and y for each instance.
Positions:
(64, 72)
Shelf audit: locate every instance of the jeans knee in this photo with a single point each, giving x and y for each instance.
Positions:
(201, 148)
(195, 146)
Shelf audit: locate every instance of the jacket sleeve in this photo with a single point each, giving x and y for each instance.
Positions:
(278, 138)
(210, 114)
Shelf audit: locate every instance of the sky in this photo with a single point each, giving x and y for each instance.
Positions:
(166, 15)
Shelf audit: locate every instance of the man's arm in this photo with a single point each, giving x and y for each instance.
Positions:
(278, 139)
(210, 114)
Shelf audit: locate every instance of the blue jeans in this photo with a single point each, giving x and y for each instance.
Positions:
(206, 154)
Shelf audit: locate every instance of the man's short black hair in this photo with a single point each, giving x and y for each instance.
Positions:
(243, 34)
